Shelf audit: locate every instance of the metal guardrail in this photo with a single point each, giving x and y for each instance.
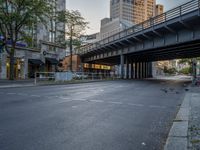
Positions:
(51, 77)
(44, 76)
(171, 14)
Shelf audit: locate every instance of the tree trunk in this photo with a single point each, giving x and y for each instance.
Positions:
(12, 63)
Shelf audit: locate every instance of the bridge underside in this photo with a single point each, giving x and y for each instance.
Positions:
(178, 51)
(174, 39)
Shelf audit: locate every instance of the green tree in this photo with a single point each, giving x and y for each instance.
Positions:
(16, 18)
(75, 26)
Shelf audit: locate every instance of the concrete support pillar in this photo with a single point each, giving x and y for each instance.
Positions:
(136, 70)
(127, 67)
(146, 68)
(150, 70)
(143, 70)
(122, 66)
(139, 70)
(132, 73)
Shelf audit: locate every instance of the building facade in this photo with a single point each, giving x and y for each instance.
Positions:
(159, 9)
(43, 54)
(135, 11)
(126, 13)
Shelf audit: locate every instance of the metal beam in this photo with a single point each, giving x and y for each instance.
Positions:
(170, 29)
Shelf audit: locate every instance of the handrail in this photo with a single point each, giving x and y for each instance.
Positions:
(171, 14)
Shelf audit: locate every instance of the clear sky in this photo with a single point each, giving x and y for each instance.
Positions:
(95, 10)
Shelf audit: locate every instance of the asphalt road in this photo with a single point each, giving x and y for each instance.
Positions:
(113, 115)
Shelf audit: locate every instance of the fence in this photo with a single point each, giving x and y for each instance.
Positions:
(52, 77)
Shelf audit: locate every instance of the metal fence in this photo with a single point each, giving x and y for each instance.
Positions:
(167, 16)
(53, 77)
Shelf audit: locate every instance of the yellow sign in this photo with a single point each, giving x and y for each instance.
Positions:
(97, 66)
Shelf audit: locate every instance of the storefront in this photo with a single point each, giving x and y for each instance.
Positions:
(34, 65)
(26, 62)
(18, 68)
(51, 64)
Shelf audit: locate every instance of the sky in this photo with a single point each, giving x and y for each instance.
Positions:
(95, 10)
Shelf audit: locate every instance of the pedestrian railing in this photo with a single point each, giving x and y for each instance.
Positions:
(52, 77)
(167, 16)
(44, 76)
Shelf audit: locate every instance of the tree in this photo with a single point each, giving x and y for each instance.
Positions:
(75, 25)
(17, 17)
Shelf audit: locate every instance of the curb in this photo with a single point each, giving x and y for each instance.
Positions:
(50, 84)
(177, 137)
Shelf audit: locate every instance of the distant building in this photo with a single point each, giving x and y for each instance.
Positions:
(135, 11)
(126, 13)
(159, 9)
(121, 9)
(110, 26)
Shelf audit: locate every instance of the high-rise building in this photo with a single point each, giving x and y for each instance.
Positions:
(159, 9)
(122, 9)
(135, 11)
(126, 13)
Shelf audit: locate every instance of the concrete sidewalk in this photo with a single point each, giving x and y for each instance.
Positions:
(16, 83)
(185, 131)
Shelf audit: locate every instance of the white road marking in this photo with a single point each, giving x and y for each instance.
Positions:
(138, 105)
(35, 96)
(154, 106)
(10, 93)
(21, 94)
(74, 106)
(78, 99)
(97, 101)
(118, 103)
(65, 98)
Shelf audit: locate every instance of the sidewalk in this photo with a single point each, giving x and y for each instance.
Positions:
(194, 120)
(16, 83)
(185, 131)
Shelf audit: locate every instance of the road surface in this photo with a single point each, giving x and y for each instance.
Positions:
(113, 115)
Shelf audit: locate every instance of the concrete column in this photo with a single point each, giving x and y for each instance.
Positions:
(136, 70)
(150, 69)
(146, 68)
(139, 70)
(122, 66)
(143, 70)
(127, 67)
(132, 73)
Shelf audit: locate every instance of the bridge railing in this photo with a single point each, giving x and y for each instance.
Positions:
(171, 14)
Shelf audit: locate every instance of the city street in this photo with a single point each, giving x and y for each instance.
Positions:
(112, 115)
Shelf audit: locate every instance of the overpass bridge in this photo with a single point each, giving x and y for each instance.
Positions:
(171, 35)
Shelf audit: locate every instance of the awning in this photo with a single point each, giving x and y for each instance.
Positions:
(52, 61)
(35, 61)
